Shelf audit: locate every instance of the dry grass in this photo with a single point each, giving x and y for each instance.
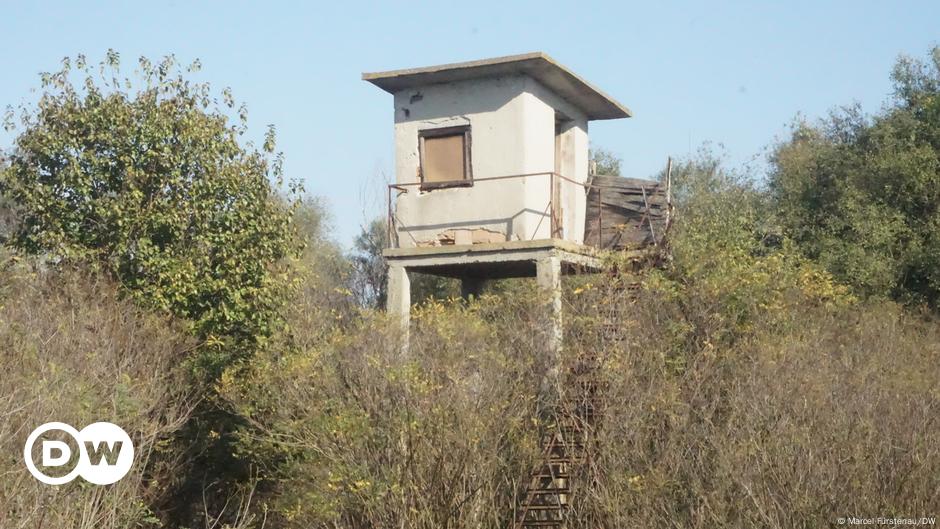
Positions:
(800, 414)
(822, 413)
(359, 434)
(73, 353)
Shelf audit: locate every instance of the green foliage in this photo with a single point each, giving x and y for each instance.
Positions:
(727, 254)
(810, 410)
(322, 301)
(368, 281)
(743, 385)
(735, 364)
(862, 195)
(147, 180)
(606, 162)
(370, 277)
(151, 184)
(7, 217)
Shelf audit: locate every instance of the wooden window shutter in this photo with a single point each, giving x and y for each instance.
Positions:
(445, 156)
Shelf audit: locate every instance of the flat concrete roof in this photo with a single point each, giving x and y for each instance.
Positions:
(537, 65)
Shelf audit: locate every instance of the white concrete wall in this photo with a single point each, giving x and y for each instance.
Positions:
(512, 122)
(541, 107)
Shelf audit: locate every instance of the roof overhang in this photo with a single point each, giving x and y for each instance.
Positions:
(539, 66)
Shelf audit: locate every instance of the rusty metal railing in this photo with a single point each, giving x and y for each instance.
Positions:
(550, 210)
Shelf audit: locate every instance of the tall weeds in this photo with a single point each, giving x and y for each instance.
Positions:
(73, 352)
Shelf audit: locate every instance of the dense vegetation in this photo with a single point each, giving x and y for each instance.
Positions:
(779, 370)
(861, 194)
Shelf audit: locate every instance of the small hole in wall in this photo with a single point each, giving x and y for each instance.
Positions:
(416, 97)
(406, 112)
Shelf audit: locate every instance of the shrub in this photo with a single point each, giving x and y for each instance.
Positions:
(147, 180)
(832, 416)
(861, 194)
(743, 386)
(74, 352)
(353, 433)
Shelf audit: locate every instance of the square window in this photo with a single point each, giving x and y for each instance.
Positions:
(445, 157)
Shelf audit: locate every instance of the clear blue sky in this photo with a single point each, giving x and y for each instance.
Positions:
(733, 73)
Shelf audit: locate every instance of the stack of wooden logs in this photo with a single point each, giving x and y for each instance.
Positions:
(625, 213)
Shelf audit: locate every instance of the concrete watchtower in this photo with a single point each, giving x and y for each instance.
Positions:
(491, 164)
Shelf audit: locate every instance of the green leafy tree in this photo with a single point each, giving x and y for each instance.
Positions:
(322, 300)
(725, 248)
(862, 194)
(606, 162)
(149, 179)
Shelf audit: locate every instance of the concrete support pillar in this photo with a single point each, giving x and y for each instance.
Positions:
(471, 287)
(548, 276)
(398, 301)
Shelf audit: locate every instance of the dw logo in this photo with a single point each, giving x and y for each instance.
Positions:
(104, 453)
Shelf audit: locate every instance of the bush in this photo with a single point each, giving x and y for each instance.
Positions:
(74, 352)
(743, 386)
(147, 180)
(861, 194)
(832, 416)
(350, 432)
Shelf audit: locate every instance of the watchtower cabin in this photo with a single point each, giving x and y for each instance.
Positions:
(493, 180)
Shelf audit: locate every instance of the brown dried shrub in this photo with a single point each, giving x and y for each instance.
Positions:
(815, 412)
(354, 432)
(73, 352)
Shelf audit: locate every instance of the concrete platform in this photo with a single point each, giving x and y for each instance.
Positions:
(545, 259)
(495, 260)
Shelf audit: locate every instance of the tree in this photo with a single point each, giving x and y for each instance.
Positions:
(606, 162)
(322, 300)
(368, 282)
(7, 214)
(369, 279)
(148, 180)
(862, 194)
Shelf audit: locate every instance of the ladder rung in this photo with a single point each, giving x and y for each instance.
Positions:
(546, 508)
